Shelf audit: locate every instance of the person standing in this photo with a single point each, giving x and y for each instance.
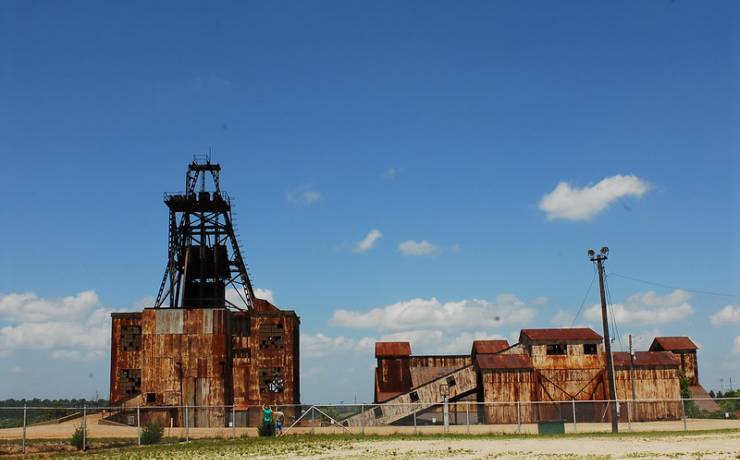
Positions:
(267, 420)
(279, 420)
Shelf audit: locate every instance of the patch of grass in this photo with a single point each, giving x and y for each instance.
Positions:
(350, 446)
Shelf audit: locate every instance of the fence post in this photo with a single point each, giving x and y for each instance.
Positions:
(629, 414)
(518, 417)
(187, 423)
(362, 418)
(683, 414)
(313, 419)
(138, 423)
(84, 427)
(24, 429)
(573, 404)
(233, 421)
(414, 418)
(467, 416)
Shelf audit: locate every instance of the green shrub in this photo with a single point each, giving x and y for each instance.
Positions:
(265, 429)
(152, 433)
(78, 436)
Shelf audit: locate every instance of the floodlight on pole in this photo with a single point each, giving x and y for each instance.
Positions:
(599, 260)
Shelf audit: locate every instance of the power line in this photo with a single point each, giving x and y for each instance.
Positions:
(610, 306)
(697, 291)
(583, 302)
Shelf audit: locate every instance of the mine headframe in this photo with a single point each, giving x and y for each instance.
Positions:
(203, 256)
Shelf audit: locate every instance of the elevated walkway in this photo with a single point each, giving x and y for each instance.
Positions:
(459, 382)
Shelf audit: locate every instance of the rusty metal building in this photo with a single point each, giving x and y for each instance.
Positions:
(544, 368)
(201, 344)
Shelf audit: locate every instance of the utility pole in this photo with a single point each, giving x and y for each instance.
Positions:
(599, 259)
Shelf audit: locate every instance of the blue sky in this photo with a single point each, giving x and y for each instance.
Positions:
(435, 122)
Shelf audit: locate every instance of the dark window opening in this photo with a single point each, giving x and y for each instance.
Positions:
(151, 397)
(589, 348)
(130, 381)
(271, 337)
(558, 349)
(378, 412)
(451, 381)
(272, 380)
(240, 326)
(414, 396)
(130, 338)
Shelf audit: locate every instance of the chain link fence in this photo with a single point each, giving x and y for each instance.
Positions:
(43, 429)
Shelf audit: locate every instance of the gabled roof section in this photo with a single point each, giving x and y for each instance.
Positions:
(489, 346)
(673, 344)
(580, 334)
(392, 349)
(263, 305)
(646, 359)
(503, 362)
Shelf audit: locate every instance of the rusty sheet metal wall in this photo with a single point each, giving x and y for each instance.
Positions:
(392, 377)
(508, 386)
(270, 350)
(575, 359)
(690, 367)
(651, 383)
(122, 357)
(183, 364)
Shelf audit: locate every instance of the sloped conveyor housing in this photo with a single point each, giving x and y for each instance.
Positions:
(459, 382)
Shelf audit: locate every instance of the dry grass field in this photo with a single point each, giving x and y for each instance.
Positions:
(697, 444)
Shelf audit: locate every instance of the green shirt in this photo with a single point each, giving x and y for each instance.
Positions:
(267, 415)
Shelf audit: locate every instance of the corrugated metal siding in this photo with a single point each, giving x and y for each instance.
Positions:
(392, 349)
(559, 335)
(673, 344)
(169, 321)
(246, 370)
(121, 359)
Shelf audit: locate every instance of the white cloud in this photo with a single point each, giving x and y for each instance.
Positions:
(563, 318)
(76, 355)
(727, 316)
(320, 345)
(369, 241)
(431, 313)
(641, 340)
(306, 195)
(233, 296)
(28, 307)
(417, 248)
(265, 294)
(573, 203)
(648, 308)
(423, 341)
(74, 327)
(736, 346)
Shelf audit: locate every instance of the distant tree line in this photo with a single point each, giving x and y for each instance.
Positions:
(58, 408)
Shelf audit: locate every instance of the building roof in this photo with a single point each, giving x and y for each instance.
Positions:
(489, 346)
(646, 359)
(559, 334)
(503, 362)
(263, 305)
(392, 349)
(673, 344)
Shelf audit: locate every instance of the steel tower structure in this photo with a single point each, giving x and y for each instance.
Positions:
(203, 256)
